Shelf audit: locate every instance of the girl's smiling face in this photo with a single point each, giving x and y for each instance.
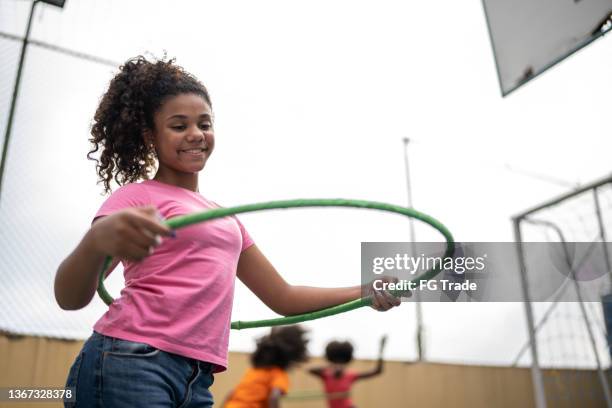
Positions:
(183, 138)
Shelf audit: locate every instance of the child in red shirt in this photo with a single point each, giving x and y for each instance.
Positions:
(337, 380)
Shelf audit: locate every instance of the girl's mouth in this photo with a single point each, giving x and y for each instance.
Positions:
(197, 151)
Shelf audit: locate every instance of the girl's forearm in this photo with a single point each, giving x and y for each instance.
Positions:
(379, 367)
(274, 398)
(76, 277)
(303, 299)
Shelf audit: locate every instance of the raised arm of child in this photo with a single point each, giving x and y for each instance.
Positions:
(379, 365)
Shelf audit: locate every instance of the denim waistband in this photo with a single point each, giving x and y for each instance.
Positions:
(107, 344)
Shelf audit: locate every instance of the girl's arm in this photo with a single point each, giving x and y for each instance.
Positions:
(258, 274)
(275, 396)
(128, 234)
(379, 365)
(316, 371)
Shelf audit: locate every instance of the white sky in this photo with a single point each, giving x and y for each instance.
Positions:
(312, 99)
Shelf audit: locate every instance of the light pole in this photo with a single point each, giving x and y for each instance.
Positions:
(419, 310)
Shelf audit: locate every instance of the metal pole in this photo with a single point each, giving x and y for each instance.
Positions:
(605, 297)
(536, 372)
(419, 310)
(9, 125)
(602, 235)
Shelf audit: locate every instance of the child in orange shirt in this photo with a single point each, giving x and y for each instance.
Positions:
(263, 385)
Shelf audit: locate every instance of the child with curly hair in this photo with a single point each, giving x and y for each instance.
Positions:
(161, 341)
(337, 379)
(267, 381)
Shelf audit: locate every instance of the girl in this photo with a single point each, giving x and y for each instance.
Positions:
(337, 380)
(263, 385)
(161, 341)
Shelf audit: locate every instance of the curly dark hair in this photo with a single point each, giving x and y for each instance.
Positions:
(339, 352)
(127, 109)
(283, 347)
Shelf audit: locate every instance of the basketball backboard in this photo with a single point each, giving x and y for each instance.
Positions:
(530, 36)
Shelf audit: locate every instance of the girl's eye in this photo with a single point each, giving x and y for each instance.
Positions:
(180, 127)
(205, 126)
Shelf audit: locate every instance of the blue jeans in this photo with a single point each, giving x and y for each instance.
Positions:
(110, 372)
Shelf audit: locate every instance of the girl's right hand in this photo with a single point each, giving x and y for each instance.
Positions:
(130, 234)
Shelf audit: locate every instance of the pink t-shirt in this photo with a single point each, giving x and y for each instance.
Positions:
(342, 384)
(179, 299)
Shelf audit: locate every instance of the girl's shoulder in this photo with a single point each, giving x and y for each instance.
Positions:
(135, 190)
(129, 188)
(129, 195)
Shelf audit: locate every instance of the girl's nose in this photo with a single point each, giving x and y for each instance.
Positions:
(195, 134)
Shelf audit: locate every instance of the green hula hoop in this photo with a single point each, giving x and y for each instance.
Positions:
(297, 396)
(183, 221)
